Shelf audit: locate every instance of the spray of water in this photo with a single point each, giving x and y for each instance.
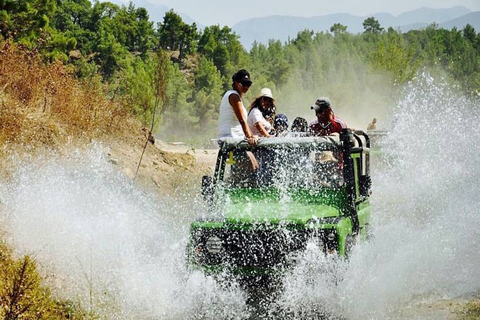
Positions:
(121, 250)
(426, 215)
(109, 244)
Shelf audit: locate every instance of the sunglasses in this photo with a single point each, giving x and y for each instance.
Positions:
(323, 109)
(245, 84)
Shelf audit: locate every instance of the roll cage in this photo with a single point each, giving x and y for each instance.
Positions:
(353, 146)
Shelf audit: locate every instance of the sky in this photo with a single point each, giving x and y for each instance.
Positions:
(229, 12)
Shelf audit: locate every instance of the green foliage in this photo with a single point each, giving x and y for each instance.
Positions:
(371, 25)
(224, 49)
(136, 84)
(23, 295)
(25, 19)
(170, 31)
(174, 34)
(451, 50)
(396, 58)
(162, 74)
(143, 85)
(469, 33)
(207, 94)
(109, 53)
(179, 118)
(338, 28)
(279, 67)
(121, 44)
(471, 311)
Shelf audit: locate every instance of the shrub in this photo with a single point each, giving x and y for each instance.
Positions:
(45, 104)
(22, 295)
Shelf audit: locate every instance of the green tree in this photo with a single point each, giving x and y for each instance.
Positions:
(279, 67)
(222, 46)
(170, 31)
(174, 34)
(188, 43)
(397, 59)
(108, 53)
(469, 33)
(26, 20)
(338, 28)
(208, 92)
(371, 25)
(144, 40)
(179, 118)
(304, 40)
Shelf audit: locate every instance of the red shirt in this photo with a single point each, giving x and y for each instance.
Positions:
(335, 125)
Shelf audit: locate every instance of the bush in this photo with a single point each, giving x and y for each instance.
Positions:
(471, 311)
(22, 295)
(45, 104)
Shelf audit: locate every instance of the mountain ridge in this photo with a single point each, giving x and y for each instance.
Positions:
(284, 27)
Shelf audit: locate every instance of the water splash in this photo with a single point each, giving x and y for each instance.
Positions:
(426, 213)
(109, 244)
(122, 250)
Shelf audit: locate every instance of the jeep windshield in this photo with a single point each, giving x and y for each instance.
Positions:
(284, 163)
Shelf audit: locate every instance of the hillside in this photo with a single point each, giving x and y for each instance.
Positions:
(46, 114)
(46, 109)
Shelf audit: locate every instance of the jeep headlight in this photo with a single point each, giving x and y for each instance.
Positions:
(331, 236)
(331, 241)
(214, 244)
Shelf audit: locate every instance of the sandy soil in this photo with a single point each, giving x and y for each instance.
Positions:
(165, 167)
(438, 310)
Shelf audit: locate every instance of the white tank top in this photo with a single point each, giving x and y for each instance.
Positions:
(228, 124)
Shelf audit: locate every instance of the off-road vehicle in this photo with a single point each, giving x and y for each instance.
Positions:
(298, 190)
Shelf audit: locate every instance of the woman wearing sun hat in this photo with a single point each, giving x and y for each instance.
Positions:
(232, 119)
(261, 113)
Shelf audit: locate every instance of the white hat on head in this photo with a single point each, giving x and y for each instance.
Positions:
(265, 92)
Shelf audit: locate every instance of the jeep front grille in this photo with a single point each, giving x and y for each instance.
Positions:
(250, 248)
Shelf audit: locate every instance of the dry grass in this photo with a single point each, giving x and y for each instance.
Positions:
(471, 311)
(22, 295)
(45, 105)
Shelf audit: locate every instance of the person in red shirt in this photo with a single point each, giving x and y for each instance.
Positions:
(326, 122)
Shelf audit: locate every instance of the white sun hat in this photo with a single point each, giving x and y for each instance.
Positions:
(265, 92)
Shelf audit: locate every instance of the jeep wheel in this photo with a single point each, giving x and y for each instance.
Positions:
(260, 290)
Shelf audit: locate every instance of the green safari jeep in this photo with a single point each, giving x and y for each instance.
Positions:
(266, 202)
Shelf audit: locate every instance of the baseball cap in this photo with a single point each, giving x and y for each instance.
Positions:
(243, 77)
(281, 119)
(321, 104)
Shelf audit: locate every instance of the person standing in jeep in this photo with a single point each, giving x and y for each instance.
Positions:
(326, 122)
(232, 119)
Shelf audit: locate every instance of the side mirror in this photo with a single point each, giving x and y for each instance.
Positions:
(208, 188)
